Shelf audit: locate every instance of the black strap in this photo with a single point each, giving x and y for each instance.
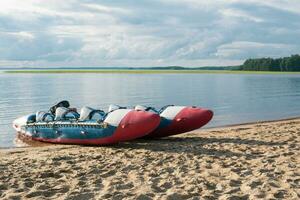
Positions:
(47, 114)
(96, 111)
(71, 111)
(164, 108)
(151, 108)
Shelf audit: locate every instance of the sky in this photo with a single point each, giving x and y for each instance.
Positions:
(142, 33)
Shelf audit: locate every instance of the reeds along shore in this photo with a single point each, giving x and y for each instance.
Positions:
(258, 161)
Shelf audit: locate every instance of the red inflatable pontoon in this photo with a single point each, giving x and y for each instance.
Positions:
(179, 119)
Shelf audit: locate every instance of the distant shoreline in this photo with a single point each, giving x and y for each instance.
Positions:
(141, 71)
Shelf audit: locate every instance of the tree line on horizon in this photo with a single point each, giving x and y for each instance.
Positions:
(288, 64)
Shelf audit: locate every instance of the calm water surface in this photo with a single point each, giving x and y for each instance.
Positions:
(233, 98)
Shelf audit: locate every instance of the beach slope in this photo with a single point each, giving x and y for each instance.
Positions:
(257, 161)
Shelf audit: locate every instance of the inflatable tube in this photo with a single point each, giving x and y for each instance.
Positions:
(178, 119)
(118, 126)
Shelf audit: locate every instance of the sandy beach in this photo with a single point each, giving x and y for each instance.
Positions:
(256, 161)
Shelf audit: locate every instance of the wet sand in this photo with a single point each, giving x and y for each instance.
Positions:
(256, 161)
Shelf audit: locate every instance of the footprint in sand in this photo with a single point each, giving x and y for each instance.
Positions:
(49, 174)
(95, 170)
(43, 187)
(280, 194)
(297, 182)
(15, 152)
(114, 195)
(242, 129)
(235, 197)
(56, 163)
(260, 195)
(98, 183)
(208, 197)
(255, 184)
(28, 183)
(80, 196)
(62, 158)
(19, 190)
(107, 196)
(124, 186)
(40, 194)
(175, 196)
(109, 173)
(160, 187)
(3, 167)
(235, 183)
(210, 186)
(65, 171)
(145, 197)
(233, 191)
(61, 189)
(3, 186)
(14, 197)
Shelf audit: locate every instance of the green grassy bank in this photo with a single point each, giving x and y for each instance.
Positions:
(140, 71)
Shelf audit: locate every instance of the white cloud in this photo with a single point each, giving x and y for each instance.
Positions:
(234, 13)
(22, 35)
(245, 49)
(147, 33)
(106, 9)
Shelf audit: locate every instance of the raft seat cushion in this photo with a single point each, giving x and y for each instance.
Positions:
(85, 113)
(98, 115)
(115, 117)
(42, 116)
(48, 117)
(139, 107)
(114, 107)
(88, 113)
(170, 112)
(63, 113)
(39, 115)
(31, 118)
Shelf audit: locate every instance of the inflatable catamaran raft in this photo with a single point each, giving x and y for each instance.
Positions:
(62, 124)
(91, 127)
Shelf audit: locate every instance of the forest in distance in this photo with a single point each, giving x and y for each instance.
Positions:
(288, 64)
(284, 64)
